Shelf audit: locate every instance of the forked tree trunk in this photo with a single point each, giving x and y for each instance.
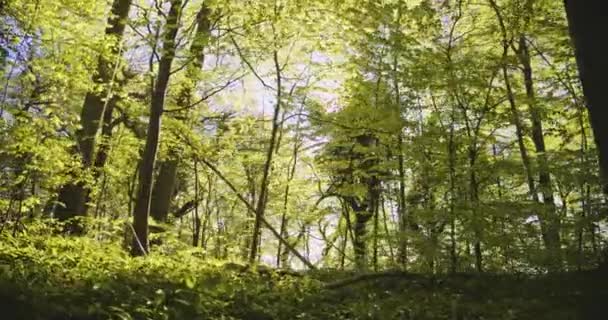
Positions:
(164, 187)
(73, 196)
(146, 173)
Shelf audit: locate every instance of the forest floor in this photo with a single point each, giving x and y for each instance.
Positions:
(54, 277)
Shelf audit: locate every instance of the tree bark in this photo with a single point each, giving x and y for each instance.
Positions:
(549, 222)
(549, 214)
(360, 239)
(74, 195)
(146, 174)
(163, 192)
(364, 209)
(585, 20)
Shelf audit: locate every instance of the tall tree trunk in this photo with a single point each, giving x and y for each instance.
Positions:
(205, 234)
(196, 230)
(402, 210)
(263, 196)
(142, 204)
(452, 176)
(252, 197)
(585, 191)
(515, 116)
(103, 150)
(586, 19)
(74, 195)
(163, 192)
(550, 216)
(283, 253)
(376, 234)
(343, 246)
(403, 218)
(477, 222)
(549, 223)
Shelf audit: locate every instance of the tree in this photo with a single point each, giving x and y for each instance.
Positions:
(429, 136)
(165, 184)
(584, 19)
(146, 171)
(74, 195)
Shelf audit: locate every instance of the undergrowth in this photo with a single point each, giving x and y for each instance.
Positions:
(47, 276)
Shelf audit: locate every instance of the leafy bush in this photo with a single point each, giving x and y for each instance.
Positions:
(56, 277)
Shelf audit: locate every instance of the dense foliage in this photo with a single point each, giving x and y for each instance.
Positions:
(146, 143)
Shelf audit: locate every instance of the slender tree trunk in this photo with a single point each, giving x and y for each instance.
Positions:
(261, 205)
(505, 246)
(344, 243)
(389, 241)
(283, 253)
(196, 234)
(103, 153)
(452, 176)
(142, 204)
(403, 218)
(252, 197)
(208, 210)
(375, 243)
(74, 195)
(516, 120)
(548, 224)
(551, 218)
(515, 116)
(477, 222)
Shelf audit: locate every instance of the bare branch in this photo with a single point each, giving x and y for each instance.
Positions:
(249, 65)
(208, 95)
